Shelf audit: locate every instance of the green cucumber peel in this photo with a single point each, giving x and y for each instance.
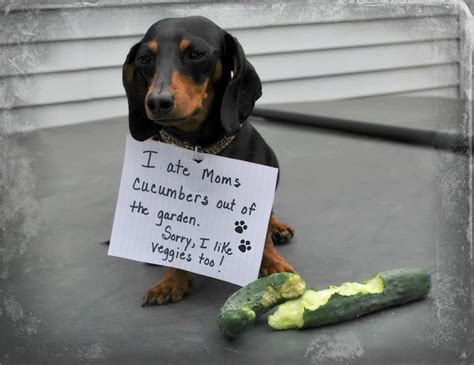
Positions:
(351, 300)
(248, 303)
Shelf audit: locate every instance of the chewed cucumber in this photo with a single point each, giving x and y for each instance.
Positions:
(242, 308)
(351, 300)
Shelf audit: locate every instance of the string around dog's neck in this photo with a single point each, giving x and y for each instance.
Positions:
(212, 149)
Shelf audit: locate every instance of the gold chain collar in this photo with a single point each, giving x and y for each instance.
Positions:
(212, 149)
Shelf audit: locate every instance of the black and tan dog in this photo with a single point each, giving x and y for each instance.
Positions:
(188, 83)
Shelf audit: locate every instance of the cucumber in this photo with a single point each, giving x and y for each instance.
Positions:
(351, 300)
(242, 308)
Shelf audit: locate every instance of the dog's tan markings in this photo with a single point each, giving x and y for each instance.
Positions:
(152, 83)
(192, 100)
(188, 95)
(153, 46)
(150, 90)
(272, 261)
(184, 43)
(194, 123)
(174, 284)
(217, 71)
(129, 71)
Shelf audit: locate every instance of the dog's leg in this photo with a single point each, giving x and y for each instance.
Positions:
(281, 232)
(171, 288)
(272, 260)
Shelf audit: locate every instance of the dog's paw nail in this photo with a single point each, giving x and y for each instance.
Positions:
(279, 238)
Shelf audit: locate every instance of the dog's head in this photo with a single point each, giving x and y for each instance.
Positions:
(181, 71)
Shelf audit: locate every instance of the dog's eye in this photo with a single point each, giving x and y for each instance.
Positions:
(144, 60)
(196, 54)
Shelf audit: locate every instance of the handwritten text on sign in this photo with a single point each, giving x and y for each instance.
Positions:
(210, 217)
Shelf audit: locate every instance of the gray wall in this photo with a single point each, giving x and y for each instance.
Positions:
(61, 64)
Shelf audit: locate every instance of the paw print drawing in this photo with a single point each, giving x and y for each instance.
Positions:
(240, 227)
(244, 246)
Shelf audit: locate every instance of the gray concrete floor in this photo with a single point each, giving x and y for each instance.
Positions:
(358, 206)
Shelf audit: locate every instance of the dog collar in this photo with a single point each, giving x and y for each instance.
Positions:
(212, 149)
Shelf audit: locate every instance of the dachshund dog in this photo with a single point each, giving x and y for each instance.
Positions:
(188, 83)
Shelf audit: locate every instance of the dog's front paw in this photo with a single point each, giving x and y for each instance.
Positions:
(274, 264)
(281, 233)
(172, 287)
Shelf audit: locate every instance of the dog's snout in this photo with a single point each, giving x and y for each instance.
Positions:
(160, 104)
(165, 102)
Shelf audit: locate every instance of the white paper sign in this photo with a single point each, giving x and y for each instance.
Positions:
(210, 217)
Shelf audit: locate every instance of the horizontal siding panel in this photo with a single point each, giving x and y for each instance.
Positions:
(65, 114)
(104, 22)
(92, 53)
(360, 85)
(451, 92)
(66, 4)
(354, 60)
(346, 34)
(61, 4)
(64, 56)
(62, 87)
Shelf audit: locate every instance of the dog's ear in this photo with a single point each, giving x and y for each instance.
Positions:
(141, 128)
(243, 89)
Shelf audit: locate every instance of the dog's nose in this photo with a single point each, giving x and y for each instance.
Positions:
(160, 104)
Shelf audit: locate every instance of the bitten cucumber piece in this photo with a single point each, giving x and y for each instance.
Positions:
(242, 308)
(351, 300)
